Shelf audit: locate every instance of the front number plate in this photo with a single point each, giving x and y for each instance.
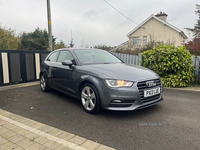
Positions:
(151, 92)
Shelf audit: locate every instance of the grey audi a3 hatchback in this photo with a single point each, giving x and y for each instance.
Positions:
(100, 80)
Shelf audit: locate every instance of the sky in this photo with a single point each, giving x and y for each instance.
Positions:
(93, 22)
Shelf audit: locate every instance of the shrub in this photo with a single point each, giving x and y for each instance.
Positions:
(128, 51)
(174, 65)
(194, 46)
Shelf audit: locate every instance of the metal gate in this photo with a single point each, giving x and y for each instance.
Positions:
(20, 66)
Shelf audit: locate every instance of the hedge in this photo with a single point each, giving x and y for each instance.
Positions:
(174, 65)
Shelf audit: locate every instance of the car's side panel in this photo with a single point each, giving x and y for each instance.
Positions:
(63, 79)
(51, 69)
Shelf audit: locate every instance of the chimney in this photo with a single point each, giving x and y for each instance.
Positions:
(162, 16)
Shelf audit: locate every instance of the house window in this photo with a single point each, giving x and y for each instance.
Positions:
(144, 40)
(136, 40)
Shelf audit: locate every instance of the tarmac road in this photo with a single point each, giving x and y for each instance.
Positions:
(172, 124)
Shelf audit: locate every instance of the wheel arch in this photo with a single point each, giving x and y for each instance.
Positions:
(98, 100)
(90, 80)
(43, 72)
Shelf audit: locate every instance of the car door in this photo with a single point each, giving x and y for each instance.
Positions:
(50, 64)
(63, 74)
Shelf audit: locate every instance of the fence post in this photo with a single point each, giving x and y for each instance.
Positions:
(118, 55)
(128, 59)
(1, 70)
(134, 60)
(137, 60)
(122, 57)
(140, 58)
(197, 68)
(125, 58)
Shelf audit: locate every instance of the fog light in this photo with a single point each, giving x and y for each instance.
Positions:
(116, 101)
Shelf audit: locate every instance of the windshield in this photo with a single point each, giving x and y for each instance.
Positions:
(96, 57)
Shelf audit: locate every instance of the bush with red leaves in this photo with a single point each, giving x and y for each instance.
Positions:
(194, 46)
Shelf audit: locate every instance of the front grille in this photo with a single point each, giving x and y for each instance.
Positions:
(142, 87)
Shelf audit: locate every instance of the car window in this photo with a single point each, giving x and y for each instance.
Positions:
(53, 56)
(101, 57)
(96, 56)
(66, 55)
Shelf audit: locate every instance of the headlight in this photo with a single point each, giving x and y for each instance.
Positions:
(118, 83)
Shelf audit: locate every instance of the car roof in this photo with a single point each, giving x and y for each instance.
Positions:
(73, 49)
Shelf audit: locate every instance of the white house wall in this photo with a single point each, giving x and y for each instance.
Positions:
(158, 31)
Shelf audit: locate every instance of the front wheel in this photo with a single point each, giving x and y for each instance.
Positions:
(43, 84)
(90, 99)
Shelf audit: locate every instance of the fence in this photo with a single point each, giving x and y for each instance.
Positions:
(129, 59)
(23, 66)
(196, 64)
(136, 60)
(20, 66)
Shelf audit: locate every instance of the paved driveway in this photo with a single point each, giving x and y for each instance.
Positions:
(172, 124)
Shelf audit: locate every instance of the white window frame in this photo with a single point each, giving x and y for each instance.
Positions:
(144, 40)
(136, 40)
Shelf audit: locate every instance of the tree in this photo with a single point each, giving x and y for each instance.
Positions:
(71, 42)
(59, 45)
(37, 40)
(8, 39)
(104, 47)
(196, 29)
(194, 45)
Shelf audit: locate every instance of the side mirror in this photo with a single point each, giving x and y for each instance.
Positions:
(67, 63)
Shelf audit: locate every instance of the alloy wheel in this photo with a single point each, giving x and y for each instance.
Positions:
(43, 83)
(88, 98)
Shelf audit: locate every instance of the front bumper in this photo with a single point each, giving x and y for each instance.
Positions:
(129, 96)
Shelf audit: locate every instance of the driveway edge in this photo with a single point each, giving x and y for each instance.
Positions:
(36, 135)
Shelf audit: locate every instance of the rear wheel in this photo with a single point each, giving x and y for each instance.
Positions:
(90, 99)
(43, 84)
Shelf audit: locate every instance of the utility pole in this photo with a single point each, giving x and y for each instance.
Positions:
(49, 25)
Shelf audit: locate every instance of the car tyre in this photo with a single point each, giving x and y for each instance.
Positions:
(43, 84)
(90, 99)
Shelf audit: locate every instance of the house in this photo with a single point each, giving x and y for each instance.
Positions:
(155, 28)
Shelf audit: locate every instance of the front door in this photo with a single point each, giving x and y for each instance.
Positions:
(63, 79)
(51, 63)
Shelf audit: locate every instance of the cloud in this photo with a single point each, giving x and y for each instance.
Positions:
(91, 20)
(90, 14)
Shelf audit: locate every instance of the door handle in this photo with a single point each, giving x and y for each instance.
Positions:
(53, 68)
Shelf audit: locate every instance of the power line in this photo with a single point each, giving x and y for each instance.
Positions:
(125, 16)
(120, 12)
